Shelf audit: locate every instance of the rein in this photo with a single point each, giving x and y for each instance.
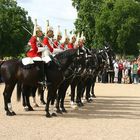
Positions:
(73, 73)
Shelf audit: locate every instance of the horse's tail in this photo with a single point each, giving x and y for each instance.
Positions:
(1, 62)
(19, 91)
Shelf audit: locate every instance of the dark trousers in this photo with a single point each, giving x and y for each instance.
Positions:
(119, 76)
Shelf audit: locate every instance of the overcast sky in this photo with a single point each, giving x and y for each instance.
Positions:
(59, 12)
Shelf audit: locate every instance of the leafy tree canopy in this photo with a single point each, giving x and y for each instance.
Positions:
(114, 21)
(13, 37)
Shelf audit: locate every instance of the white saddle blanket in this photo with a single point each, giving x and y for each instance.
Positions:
(27, 61)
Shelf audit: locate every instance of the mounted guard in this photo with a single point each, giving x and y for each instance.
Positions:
(48, 40)
(57, 43)
(71, 45)
(34, 55)
(66, 40)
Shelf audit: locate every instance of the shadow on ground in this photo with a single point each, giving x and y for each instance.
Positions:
(106, 107)
(111, 107)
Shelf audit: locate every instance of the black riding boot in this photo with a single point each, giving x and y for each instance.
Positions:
(42, 77)
(41, 80)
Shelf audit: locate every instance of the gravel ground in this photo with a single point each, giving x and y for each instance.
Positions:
(113, 115)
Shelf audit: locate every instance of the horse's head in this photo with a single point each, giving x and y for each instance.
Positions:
(81, 56)
(95, 60)
(106, 56)
(103, 56)
(111, 55)
(91, 62)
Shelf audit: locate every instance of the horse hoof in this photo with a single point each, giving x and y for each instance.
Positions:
(93, 96)
(30, 109)
(59, 111)
(8, 113)
(83, 101)
(89, 100)
(13, 113)
(48, 115)
(79, 105)
(54, 115)
(26, 109)
(64, 110)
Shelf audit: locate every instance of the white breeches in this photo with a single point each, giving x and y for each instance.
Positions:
(46, 59)
(46, 56)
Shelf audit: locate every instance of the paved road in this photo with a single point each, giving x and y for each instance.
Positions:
(114, 115)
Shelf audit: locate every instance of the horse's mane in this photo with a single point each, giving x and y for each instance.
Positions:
(65, 54)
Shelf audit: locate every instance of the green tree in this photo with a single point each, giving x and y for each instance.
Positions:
(114, 21)
(13, 37)
(85, 22)
(118, 23)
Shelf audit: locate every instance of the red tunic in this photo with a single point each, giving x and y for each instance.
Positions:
(55, 44)
(58, 45)
(33, 52)
(62, 46)
(70, 46)
(46, 42)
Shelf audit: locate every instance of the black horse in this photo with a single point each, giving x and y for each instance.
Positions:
(74, 70)
(78, 80)
(105, 58)
(95, 65)
(87, 77)
(12, 71)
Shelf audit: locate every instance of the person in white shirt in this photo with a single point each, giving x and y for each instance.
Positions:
(116, 71)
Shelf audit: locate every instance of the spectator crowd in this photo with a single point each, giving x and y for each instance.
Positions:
(123, 71)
